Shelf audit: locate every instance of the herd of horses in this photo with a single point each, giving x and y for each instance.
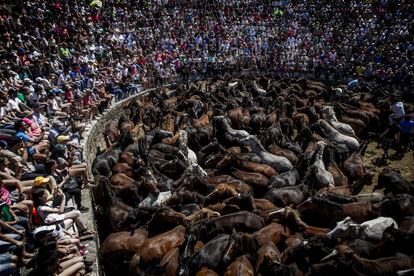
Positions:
(251, 176)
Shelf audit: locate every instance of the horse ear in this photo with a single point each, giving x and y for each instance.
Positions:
(233, 232)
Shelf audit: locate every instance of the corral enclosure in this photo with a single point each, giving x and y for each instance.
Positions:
(249, 197)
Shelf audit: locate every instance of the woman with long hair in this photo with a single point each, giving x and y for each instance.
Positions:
(51, 215)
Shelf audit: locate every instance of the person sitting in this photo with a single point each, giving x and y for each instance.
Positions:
(40, 148)
(52, 215)
(51, 261)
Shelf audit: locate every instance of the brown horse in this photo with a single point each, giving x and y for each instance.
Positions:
(170, 262)
(120, 244)
(234, 160)
(263, 204)
(276, 150)
(122, 168)
(240, 267)
(204, 120)
(332, 167)
(254, 179)
(124, 241)
(234, 115)
(268, 250)
(353, 165)
(120, 215)
(272, 232)
(157, 247)
(206, 272)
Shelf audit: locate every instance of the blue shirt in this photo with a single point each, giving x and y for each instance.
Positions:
(407, 127)
(23, 136)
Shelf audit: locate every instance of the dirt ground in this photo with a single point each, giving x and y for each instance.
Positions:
(405, 165)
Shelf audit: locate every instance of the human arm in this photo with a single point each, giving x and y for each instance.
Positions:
(59, 210)
(4, 225)
(14, 182)
(64, 180)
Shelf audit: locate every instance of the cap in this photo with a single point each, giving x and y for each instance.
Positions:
(62, 138)
(40, 180)
(27, 121)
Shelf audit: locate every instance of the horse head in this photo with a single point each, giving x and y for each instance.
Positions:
(346, 228)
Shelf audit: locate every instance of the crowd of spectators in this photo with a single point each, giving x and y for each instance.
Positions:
(64, 62)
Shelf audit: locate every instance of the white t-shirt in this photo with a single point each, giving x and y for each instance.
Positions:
(63, 79)
(398, 109)
(14, 104)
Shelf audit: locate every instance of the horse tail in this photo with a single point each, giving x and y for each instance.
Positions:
(134, 265)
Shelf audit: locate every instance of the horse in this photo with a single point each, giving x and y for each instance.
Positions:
(325, 213)
(243, 220)
(392, 182)
(353, 166)
(273, 232)
(351, 143)
(371, 229)
(120, 215)
(156, 247)
(240, 266)
(118, 244)
(211, 253)
(206, 272)
(322, 177)
(268, 250)
(328, 114)
(287, 195)
(231, 159)
(239, 244)
(279, 163)
(382, 266)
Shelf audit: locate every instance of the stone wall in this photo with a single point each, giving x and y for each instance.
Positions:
(94, 139)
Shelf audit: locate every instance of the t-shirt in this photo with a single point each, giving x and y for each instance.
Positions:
(4, 193)
(398, 109)
(23, 136)
(407, 127)
(5, 213)
(14, 104)
(63, 79)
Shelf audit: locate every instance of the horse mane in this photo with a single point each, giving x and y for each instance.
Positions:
(327, 204)
(204, 229)
(249, 243)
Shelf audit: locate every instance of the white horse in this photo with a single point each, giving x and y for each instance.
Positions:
(334, 135)
(371, 229)
(188, 153)
(323, 176)
(329, 115)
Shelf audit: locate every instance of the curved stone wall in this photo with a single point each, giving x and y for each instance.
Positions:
(94, 138)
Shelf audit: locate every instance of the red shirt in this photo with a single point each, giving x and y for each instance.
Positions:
(87, 100)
